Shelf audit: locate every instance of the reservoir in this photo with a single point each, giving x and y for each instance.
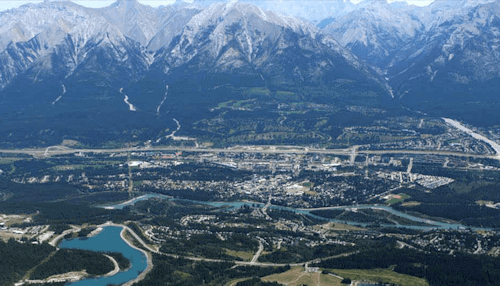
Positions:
(109, 240)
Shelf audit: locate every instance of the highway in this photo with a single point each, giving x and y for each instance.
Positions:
(475, 135)
(351, 152)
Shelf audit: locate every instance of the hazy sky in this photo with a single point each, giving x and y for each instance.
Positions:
(8, 4)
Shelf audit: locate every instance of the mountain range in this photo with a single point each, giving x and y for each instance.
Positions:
(435, 58)
(58, 59)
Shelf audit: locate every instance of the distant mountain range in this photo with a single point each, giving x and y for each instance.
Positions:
(123, 43)
(436, 58)
(59, 57)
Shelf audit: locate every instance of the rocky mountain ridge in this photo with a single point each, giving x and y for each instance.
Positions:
(59, 59)
(390, 38)
(452, 44)
(39, 37)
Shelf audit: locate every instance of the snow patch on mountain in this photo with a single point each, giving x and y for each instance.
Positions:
(163, 101)
(60, 96)
(125, 99)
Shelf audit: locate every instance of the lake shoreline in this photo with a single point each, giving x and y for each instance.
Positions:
(147, 254)
(112, 238)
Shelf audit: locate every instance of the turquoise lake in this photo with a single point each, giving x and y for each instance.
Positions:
(109, 240)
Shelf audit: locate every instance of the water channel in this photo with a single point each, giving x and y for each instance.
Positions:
(431, 224)
(109, 240)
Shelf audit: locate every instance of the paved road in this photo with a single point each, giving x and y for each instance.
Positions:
(217, 260)
(403, 245)
(54, 241)
(151, 250)
(475, 135)
(259, 252)
(115, 263)
(60, 150)
(270, 149)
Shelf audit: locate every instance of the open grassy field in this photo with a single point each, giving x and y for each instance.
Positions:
(397, 198)
(10, 220)
(411, 204)
(6, 235)
(495, 252)
(70, 167)
(235, 281)
(9, 160)
(297, 277)
(339, 227)
(96, 164)
(245, 255)
(257, 91)
(380, 275)
(463, 188)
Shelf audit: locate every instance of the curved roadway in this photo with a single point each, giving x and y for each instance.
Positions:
(249, 263)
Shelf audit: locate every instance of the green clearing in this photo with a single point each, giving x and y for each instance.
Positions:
(308, 184)
(70, 167)
(182, 275)
(235, 281)
(8, 160)
(371, 138)
(395, 200)
(411, 204)
(280, 94)
(297, 277)
(321, 123)
(224, 104)
(293, 112)
(257, 91)
(247, 103)
(98, 164)
(329, 280)
(389, 138)
(340, 227)
(381, 276)
(463, 188)
(245, 255)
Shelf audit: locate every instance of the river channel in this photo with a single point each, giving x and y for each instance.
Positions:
(109, 240)
(431, 224)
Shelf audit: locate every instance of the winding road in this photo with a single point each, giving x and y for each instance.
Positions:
(475, 135)
(172, 135)
(247, 263)
(55, 240)
(115, 263)
(259, 252)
